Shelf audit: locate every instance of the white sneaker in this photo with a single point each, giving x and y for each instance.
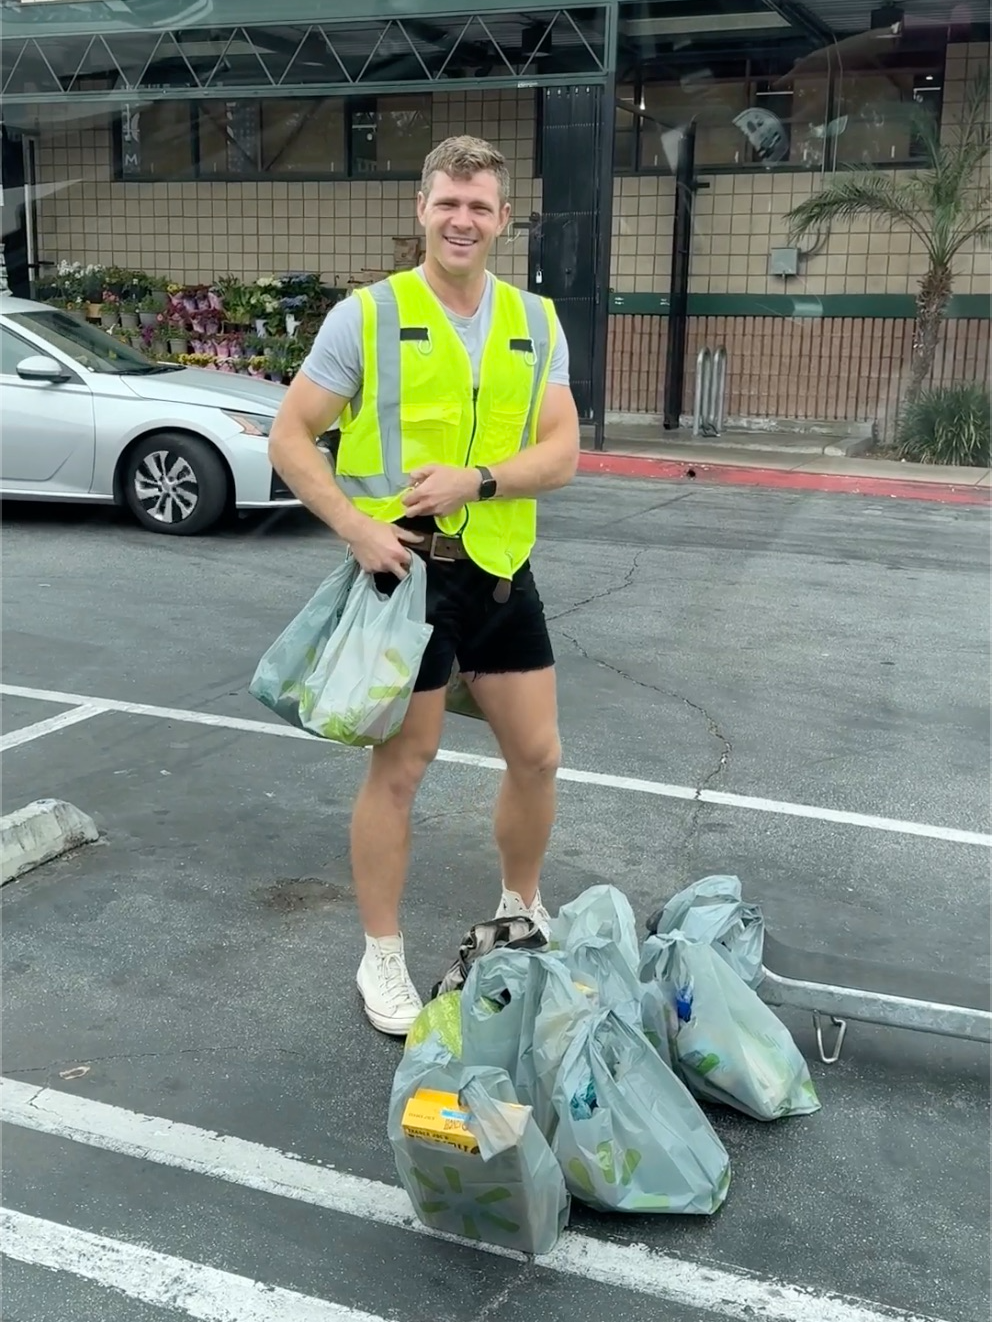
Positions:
(392, 1002)
(512, 906)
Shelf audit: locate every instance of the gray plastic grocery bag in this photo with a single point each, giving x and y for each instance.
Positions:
(600, 911)
(520, 1009)
(597, 936)
(712, 910)
(726, 1043)
(280, 675)
(359, 691)
(470, 1157)
(630, 1136)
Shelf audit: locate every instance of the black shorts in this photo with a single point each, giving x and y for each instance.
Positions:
(485, 636)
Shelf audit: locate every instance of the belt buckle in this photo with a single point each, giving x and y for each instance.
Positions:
(444, 559)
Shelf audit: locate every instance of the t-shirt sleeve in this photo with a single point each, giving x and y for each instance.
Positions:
(335, 358)
(558, 371)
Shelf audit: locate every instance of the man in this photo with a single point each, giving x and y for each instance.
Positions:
(452, 389)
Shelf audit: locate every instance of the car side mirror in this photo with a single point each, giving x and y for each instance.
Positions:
(41, 368)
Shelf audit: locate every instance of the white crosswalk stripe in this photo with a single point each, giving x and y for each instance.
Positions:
(193, 1288)
(722, 1292)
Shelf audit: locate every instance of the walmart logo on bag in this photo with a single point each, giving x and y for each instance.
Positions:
(387, 692)
(613, 1171)
(434, 1200)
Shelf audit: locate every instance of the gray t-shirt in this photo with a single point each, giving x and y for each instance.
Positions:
(335, 360)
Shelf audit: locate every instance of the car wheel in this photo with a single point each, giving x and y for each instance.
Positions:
(175, 484)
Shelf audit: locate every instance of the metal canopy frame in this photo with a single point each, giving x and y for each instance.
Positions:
(476, 51)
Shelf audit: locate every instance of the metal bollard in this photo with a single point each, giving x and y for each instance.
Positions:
(709, 404)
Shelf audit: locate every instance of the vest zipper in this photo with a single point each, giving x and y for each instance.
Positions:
(468, 452)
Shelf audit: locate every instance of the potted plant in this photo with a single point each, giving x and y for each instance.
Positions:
(197, 360)
(266, 305)
(156, 291)
(178, 339)
(284, 355)
(235, 300)
(91, 290)
(109, 310)
(149, 310)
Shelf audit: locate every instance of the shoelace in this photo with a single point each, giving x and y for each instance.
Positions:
(396, 984)
(539, 913)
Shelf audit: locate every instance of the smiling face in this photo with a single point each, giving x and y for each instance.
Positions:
(462, 217)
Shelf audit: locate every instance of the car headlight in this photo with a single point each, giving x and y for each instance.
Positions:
(253, 424)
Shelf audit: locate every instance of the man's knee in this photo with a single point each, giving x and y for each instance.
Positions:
(399, 766)
(537, 759)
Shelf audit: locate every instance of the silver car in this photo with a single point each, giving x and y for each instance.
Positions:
(85, 418)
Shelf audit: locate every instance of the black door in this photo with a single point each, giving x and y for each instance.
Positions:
(13, 215)
(565, 236)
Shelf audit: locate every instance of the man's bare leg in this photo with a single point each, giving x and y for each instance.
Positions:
(522, 710)
(380, 848)
(380, 823)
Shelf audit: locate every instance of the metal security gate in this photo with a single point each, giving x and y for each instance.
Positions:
(14, 216)
(564, 248)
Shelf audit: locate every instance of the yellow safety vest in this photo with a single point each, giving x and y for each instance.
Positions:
(418, 406)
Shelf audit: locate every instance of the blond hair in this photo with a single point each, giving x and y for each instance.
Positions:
(463, 156)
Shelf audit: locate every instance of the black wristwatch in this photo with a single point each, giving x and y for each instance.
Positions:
(487, 487)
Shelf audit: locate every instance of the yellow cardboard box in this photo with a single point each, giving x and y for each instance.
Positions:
(438, 1117)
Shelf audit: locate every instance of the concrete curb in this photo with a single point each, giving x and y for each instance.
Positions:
(40, 832)
(605, 463)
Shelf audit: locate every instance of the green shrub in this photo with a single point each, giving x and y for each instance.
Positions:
(949, 425)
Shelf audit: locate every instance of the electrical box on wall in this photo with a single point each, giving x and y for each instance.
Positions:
(783, 261)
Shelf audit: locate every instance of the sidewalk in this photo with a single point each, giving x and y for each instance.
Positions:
(785, 462)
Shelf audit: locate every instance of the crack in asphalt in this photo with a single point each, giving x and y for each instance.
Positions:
(494, 1305)
(137, 1055)
(713, 729)
(627, 582)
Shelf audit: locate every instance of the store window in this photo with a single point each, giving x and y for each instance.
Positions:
(625, 140)
(276, 138)
(155, 141)
(301, 139)
(390, 136)
(712, 102)
(812, 113)
(879, 111)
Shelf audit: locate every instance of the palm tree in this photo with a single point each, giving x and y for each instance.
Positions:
(945, 205)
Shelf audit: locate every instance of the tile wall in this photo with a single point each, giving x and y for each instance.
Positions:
(197, 231)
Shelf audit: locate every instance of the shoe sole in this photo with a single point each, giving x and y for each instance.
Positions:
(390, 1027)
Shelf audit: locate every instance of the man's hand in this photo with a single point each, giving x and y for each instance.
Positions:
(441, 489)
(381, 548)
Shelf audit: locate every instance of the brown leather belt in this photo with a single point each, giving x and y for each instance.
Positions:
(446, 550)
(438, 546)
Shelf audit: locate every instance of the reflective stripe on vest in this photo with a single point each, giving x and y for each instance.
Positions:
(444, 420)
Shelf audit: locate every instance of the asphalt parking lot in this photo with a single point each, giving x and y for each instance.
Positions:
(197, 965)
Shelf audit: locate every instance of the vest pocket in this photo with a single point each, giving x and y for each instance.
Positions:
(501, 435)
(430, 434)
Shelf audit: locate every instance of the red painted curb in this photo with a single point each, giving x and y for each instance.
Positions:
(629, 465)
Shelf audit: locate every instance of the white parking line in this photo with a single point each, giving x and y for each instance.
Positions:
(722, 1291)
(192, 1288)
(37, 731)
(631, 784)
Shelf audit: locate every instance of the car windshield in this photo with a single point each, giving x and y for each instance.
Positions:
(89, 347)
